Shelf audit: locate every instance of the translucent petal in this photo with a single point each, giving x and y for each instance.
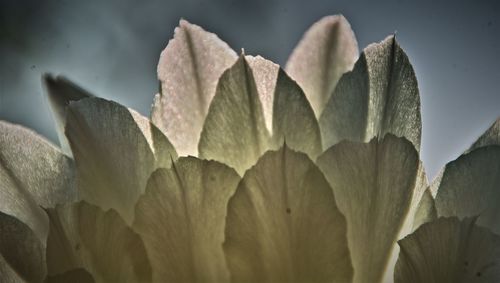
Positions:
(115, 150)
(265, 74)
(61, 92)
(426, 211)
(377, 186)
(283, 224)
(234, 132)
(77, 275)
(379, 96)
(293, 118)
(449, 251)
(181, 218)
(326, 51)
(490, 137)
(33, 173)
(83, 236)
(36, 165)
(189, 69)
(22, 254)
(470, 186)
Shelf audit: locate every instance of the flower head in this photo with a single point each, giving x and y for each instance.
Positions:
(247, 172)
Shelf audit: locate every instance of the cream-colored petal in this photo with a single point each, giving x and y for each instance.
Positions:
(490, 137)
(33, 173)
(426, 211)
(470, 186)
(449, 251)
(22, 254)
(261, 97)
(283, 224)
(265, 74)
(376, 185)
(60, 92)
(293, 118)
(326, 51)
(380, 95)
(8, 274)
(181, 218)
(234, 132)
(84, 236)
(189, 69)
(36, 165)
(115, 150)
(77, 275)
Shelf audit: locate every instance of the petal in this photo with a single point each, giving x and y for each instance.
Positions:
(188, 71)
(379, 96)
(22, 254)
(326, 51)
(234, 132)
(77, 275)
(376, 185)
(470, 186)
(36, 165)
(426, 211)
(83, 236)
(33, 173)
(490, 137)
(8, 274)
(263, 97)
(449, 250)
(293, 118)
(61, 92)
(283, 224)
(265, 74)
(115, 151)
(181, 219)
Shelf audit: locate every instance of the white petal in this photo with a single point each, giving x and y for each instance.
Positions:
(379, 96)
(448, 251)
(377, 186)
(115, 150)
(326, 51)
(265, 74)
(22, 254)
(61, 92)
(36, 165)
(490, 137)
(234, 132)
(33, 173)
(283, 224)
(426, 211)
(83, 236)
(181, 218)
(293, 118)
(189, 69)
(77, 275)
(470, 186)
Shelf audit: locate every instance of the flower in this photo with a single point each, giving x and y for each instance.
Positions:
(249, 173)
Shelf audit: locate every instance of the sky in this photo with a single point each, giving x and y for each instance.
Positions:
(111, 48)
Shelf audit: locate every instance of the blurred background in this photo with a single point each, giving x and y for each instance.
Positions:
(111, 48)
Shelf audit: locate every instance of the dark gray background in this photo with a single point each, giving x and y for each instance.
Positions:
(112, 48)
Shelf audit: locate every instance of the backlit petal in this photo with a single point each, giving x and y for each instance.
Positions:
(380, 95)
(189, 69)
(181, 218)
(283, 224)
(326, 51)
(115, 150)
